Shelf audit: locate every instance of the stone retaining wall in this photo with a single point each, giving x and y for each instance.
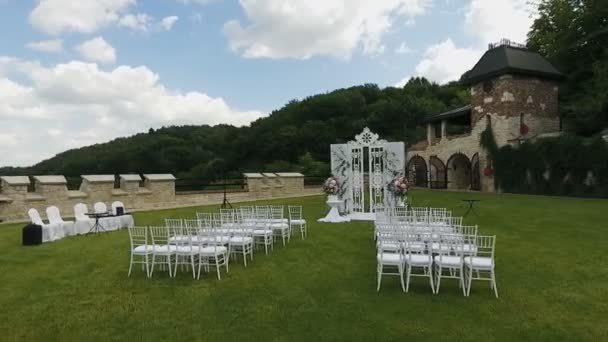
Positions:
(157, 191)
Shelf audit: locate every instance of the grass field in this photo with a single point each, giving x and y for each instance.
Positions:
(552, 273)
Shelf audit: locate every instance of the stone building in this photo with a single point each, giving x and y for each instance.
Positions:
(512, 89)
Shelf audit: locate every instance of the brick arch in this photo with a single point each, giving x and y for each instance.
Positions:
(459, 171)
(438, 173)
(417, 171)
(475, 174)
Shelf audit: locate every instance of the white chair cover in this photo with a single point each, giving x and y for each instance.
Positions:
(83, 223)
(66, 227)
(126, 220)
(48, 230)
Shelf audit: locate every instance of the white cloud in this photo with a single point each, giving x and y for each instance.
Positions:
(404, 49)
(305, 28)
(168, 22)
(77, 103)
(486, 21)
(445, 62)
(138, 21)
(51, 46)
(57, 16)
(492, 20)
(97, 50)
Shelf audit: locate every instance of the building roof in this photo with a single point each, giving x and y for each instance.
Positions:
(505, 58)
(462, 111)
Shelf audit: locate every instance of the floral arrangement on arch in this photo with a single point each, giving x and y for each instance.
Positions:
(331, 186)
(399, 186)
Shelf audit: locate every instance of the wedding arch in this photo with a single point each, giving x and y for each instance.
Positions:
(367, 155)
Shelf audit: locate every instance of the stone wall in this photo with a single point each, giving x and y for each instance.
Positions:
(151, 192)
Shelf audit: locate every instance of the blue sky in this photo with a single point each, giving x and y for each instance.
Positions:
(82, 72)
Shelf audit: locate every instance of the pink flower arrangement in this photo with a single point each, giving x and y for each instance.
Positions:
(331, 186)
(399, 186)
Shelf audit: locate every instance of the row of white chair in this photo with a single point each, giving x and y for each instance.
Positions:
(57, 228)
(435, 245)
(212, 238)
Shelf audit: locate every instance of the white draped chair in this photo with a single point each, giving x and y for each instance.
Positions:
(83, 223)
(141, 251)
(107, 223)
(48, 230)
(54, 216)
(126, 220)
(296, 220)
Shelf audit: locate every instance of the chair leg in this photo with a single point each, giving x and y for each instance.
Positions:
(130, 265)
(438, 275)
(192, 265)
(147, 266)
(153, 261)
(217, 267)
(379, 281)
(431, 278)
(470, 276)
(494, 284)
(244, 255)
(401, 267)
(407, 279)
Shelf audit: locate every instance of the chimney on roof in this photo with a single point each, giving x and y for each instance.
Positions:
(506, 42)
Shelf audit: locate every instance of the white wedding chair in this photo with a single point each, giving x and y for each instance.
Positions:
(187, 251)
(215, 254)
(296, 220)
(416, 260)
(241, 242)
(48, 230)
(278, 223)
(448, 259)
(161, 249)
(83, 223)
(482, 263)
(107, 223)
(126, 220)
(262, 234)
(54, 217)
(389, 261)
(140, 249)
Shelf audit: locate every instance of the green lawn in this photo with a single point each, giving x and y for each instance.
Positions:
(552, 272)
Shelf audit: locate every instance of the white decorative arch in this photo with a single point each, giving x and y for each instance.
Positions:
(385, 161)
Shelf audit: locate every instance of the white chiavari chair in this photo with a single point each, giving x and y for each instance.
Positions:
(482, 263)
(177, 234)
(389, 261)
(447, 259)
(414, 260)
(262, 234)
(278, 225)
(140, 249)
(241, 242)
(188, 250)
(161, 249)
(296, 220)
(214, 254)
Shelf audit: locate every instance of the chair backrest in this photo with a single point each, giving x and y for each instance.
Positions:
(138, 236)
(100, 207)
(35, 216)
(295, 212)
(159, 235)
(117, 204)
(52, 213)
(277, 212)
(486, 245)
(466, 230)
(174, 223)
(80, 210)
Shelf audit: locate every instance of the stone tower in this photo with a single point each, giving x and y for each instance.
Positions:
(515, 91)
